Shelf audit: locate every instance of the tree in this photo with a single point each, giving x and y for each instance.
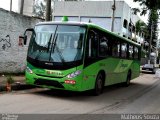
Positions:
(140, 27)
(39, 9)
(152, 26)
(152, 6)
(146, 5)
(48, 11)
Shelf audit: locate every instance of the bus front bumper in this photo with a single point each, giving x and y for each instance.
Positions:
(51, 83)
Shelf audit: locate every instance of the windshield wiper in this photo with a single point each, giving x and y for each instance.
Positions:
(55, 47)
(49, 43)
(53, 42)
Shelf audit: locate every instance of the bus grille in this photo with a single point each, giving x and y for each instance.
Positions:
(48, 83)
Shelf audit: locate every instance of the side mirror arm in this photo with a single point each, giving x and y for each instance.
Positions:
(24, 37)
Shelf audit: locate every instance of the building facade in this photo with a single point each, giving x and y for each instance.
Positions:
(100, 13)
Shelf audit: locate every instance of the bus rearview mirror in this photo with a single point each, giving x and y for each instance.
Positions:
(22, 40)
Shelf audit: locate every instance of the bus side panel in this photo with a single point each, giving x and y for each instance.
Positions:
(112, 71)
(89, 76)
(111, 67)
(136, 70)
(126, 65)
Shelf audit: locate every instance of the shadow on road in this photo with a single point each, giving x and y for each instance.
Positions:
(147, 72)
(108, 91)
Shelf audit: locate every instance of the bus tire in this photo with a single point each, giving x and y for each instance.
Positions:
(99, 84)
(128, 79)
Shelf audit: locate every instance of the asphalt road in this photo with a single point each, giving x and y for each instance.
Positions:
(141, 97)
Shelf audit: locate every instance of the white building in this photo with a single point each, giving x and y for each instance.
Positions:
(100, 13)
(28, 7)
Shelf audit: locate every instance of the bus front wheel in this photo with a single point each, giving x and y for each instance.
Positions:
(98, 85)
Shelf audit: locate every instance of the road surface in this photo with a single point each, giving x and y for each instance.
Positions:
(141, 97)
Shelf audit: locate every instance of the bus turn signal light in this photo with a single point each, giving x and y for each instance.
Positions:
(70, 82)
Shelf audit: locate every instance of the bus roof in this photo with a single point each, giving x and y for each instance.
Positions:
(92, 25)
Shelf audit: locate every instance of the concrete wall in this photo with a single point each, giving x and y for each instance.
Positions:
(13, 56)
(87, 8)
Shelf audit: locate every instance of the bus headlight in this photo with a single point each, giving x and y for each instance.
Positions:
(74, 74)
(29, 70)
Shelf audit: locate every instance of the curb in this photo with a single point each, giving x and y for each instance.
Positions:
(16, 87)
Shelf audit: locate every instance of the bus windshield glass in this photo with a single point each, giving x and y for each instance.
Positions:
(57, 43)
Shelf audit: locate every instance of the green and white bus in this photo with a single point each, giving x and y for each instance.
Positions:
(79, 56)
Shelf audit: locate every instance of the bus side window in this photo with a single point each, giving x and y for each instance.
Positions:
(124, 50)
(136, 56)
(115, 48)
(92, 44)
(130, 52)
(103, 46)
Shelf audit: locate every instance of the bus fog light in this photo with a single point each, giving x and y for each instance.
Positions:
(74, 74)
(29, 70)
(70, 82)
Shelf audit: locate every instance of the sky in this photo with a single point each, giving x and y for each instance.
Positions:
(6, 5)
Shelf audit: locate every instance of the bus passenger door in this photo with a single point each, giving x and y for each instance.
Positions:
(90, 66)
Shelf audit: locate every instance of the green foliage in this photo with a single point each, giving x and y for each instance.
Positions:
(150, 4)
(140, 26)
(39, 9)
(153, 4)
(153, 24)
(143, 53)
(10, 79)
(146, 5)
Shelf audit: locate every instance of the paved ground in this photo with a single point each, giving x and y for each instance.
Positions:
(141, 97)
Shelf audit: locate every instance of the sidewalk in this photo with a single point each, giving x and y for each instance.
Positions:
(19, 82)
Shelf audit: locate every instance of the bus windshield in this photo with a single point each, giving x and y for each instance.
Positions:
(57, 43)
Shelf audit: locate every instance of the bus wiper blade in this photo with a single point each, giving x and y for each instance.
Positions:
(49, 43)
(55, 47)
(53, 42)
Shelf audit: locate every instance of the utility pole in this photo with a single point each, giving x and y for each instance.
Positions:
(113, 15)
(10, 5)
(22, 7)
(48, 10)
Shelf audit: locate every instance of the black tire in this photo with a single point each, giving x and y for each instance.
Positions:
(128, 79)
(99, 85)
